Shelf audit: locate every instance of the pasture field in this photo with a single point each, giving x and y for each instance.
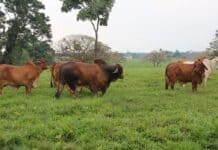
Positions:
(135, 113)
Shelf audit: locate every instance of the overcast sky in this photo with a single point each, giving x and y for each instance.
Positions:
(145, 25)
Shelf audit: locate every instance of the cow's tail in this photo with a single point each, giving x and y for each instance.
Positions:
(166, 79)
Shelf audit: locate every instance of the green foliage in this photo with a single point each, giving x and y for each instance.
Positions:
(24, 25)
(177, 54)
(20, 57)
(91, 10)
(41, 50)
(214, 45)
(135, 113)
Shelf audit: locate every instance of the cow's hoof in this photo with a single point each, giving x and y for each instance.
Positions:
(57, 96)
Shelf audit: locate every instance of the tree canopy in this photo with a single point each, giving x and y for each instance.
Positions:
(82, 47)
(25, 27)
(95, 11)
(214, 45)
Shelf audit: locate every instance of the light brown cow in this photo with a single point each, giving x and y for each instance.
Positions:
(185, 72)
(16, 76)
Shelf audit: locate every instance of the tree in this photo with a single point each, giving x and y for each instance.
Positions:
(82, 47)
(214, 45)
(25, 25)
(95, 11)
(2, 29)
(177, 54)
(156, 57)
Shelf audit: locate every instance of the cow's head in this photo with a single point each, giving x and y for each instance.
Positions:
(199, 69)
(42, 64)
(118, 71)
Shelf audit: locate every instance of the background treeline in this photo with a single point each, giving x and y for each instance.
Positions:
(156, 57)
(82, 47)
(25, 33)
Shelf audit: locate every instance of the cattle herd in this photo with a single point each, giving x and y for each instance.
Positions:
(98, 75)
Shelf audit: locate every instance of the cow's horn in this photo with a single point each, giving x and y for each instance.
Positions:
(116, 70)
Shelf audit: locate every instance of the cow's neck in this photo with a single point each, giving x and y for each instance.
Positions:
(109, 73)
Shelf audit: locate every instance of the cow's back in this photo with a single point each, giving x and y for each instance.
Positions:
(89, 73)
(17, 75)
(84, 73)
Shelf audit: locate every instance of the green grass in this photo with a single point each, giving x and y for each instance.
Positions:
(135, 113)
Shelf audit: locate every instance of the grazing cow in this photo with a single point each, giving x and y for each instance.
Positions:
(183, 73)
(96, 76)
(16, 76)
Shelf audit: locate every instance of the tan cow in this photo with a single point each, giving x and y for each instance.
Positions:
(16, 76)
(185, 72)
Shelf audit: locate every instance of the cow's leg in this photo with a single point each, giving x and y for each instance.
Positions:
(166, 84)
(172, 85)
(59, 90)
(72, 87)
(35, 83)
(194, 86)
(93, 89)
(55, 83)
(1, 88)
(79, 89)
(103, 90)
(205, 80)
(71, 91)
(28, 89)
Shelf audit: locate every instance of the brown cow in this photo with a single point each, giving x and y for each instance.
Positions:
(185, 72)
(54, 74)
(55, 68)
(97, 77)
(16, 76)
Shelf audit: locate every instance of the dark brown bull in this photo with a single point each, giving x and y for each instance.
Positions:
(55, 68)
(96, 76)
(16, 76)
(185, 72)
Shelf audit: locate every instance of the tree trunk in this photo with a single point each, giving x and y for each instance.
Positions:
(96, 44)
(96, 27)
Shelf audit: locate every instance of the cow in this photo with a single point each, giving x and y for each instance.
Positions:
(25, 75)
(55, 68)
(96, 76)
(210, 63)
(54, 74)
(183, 73)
